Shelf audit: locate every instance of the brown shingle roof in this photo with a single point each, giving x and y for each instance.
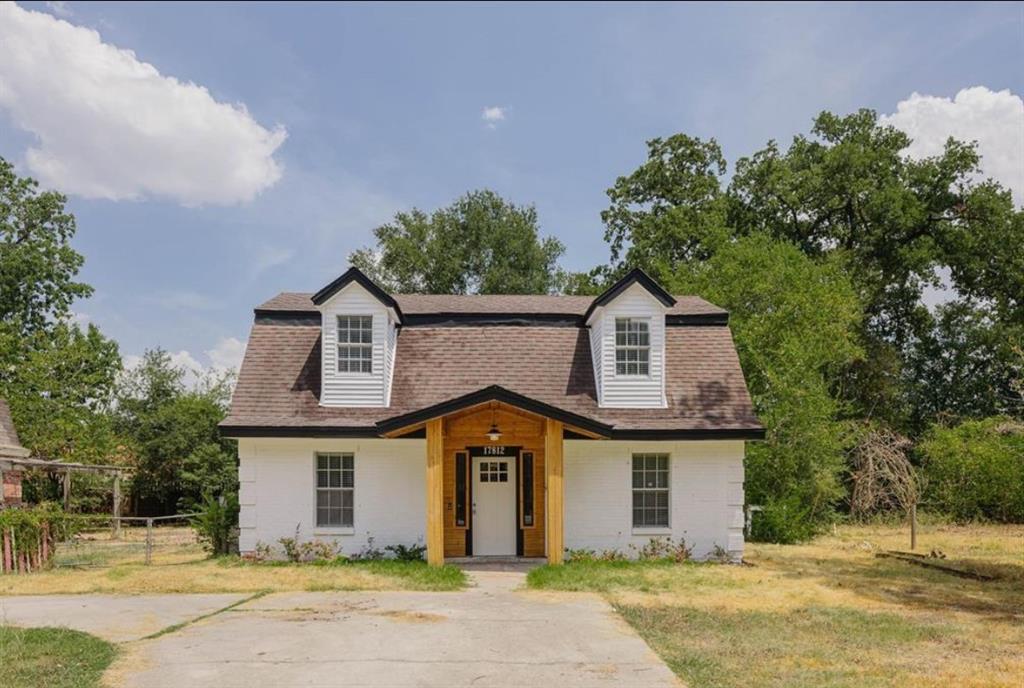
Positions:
(416, 304)
(9, 443)
(279, 382)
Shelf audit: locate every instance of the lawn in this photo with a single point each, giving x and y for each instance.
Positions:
(96, 564)
(52, 658)
(828, 613)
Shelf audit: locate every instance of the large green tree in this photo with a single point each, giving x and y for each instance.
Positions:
(57, 375)
(38, 265)
(172, 431)
(795, 322)
(480, 244)
(846, 193)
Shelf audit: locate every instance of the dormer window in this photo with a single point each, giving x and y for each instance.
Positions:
(632, 346)
(355, 344)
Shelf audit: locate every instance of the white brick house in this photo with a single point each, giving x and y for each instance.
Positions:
(501, 425)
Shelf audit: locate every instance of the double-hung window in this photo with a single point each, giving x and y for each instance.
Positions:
(650, 490)
(632, 346)
(355, 343)
(335, 484)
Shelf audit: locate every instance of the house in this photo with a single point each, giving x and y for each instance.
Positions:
(491, 425)
(10, 452)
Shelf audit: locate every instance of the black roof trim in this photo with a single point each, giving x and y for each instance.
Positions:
(691, 434)
(493, 393)
(239, 431)
(697, 319)
(268, 317)
(489, 319)
(354, 274)
(636, 275)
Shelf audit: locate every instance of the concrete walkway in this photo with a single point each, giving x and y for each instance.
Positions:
(116, 618)
(494, 634)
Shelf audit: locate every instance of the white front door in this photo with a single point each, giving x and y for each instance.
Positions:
(494, 506)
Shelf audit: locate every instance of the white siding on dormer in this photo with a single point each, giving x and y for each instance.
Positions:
(356, 389)
(596, 333)
(630, 391)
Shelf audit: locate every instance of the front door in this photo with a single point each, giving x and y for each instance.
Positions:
(494, 506)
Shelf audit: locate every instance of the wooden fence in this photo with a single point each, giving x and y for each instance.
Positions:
(26, 560)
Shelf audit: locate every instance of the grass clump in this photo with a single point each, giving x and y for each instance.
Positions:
(52, 658)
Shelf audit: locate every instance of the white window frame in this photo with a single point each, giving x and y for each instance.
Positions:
(363, 347)
(642, 351)
(344, 457)
(651, 528)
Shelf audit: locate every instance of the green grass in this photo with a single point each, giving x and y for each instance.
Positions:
(407, 575)
(639, 576)
(819, 647)
(52, 658)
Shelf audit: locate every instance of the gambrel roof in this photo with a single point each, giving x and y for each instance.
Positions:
(522, 349)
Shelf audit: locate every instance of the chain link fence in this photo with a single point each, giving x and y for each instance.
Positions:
(109, 541)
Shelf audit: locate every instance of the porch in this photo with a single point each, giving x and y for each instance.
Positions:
(494, 485)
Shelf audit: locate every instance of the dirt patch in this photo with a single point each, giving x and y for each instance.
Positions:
(412, 617)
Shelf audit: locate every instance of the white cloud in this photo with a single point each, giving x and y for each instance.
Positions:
(995, 119)
(111, 126)
(227, 354)
(492, 115)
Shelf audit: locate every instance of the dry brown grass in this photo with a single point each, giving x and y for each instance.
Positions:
(831, 613)
(96, 564)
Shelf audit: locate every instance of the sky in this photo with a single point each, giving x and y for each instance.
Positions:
(215, 155)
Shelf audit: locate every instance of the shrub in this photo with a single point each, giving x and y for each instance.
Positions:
(215, 524)
(663, 549)
(407, 552)
(976, 469)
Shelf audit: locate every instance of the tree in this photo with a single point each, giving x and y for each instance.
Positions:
(795, 322)
(479, 244)
(848, 194)
(57, 376)
(37, 263)
(671, 209)
(965, 366)
(173, 433)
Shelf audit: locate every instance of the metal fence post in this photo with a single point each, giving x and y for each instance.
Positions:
(149, 541)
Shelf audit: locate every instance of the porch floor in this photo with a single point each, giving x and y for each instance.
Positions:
(499, 563)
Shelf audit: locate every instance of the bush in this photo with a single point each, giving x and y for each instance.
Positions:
(784, 522)
(407, 552)
(216, 522)
(976, 469)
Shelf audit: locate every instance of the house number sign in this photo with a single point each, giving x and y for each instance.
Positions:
(493, 450)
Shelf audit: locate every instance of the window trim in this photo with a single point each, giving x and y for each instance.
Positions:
(658, 529)
(319, 529)
(338, 345)
(631, 347)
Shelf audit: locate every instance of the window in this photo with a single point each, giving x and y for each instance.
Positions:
(527, 489)
(460, 489)
(494, 471)
(355, 343)
(335, 481)
(632, 347)
(650, 490)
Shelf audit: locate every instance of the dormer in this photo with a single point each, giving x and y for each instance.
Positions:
(627, 342)
(359, 322)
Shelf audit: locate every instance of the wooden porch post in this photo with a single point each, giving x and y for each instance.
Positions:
(117, 507)
(555, 492)
(435, 492)
(67, 490)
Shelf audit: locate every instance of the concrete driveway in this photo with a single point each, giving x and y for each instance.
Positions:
(490, 635)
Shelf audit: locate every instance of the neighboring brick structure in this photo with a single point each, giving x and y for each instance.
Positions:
(11, 488)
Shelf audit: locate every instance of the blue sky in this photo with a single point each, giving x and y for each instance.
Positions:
(353, 112)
